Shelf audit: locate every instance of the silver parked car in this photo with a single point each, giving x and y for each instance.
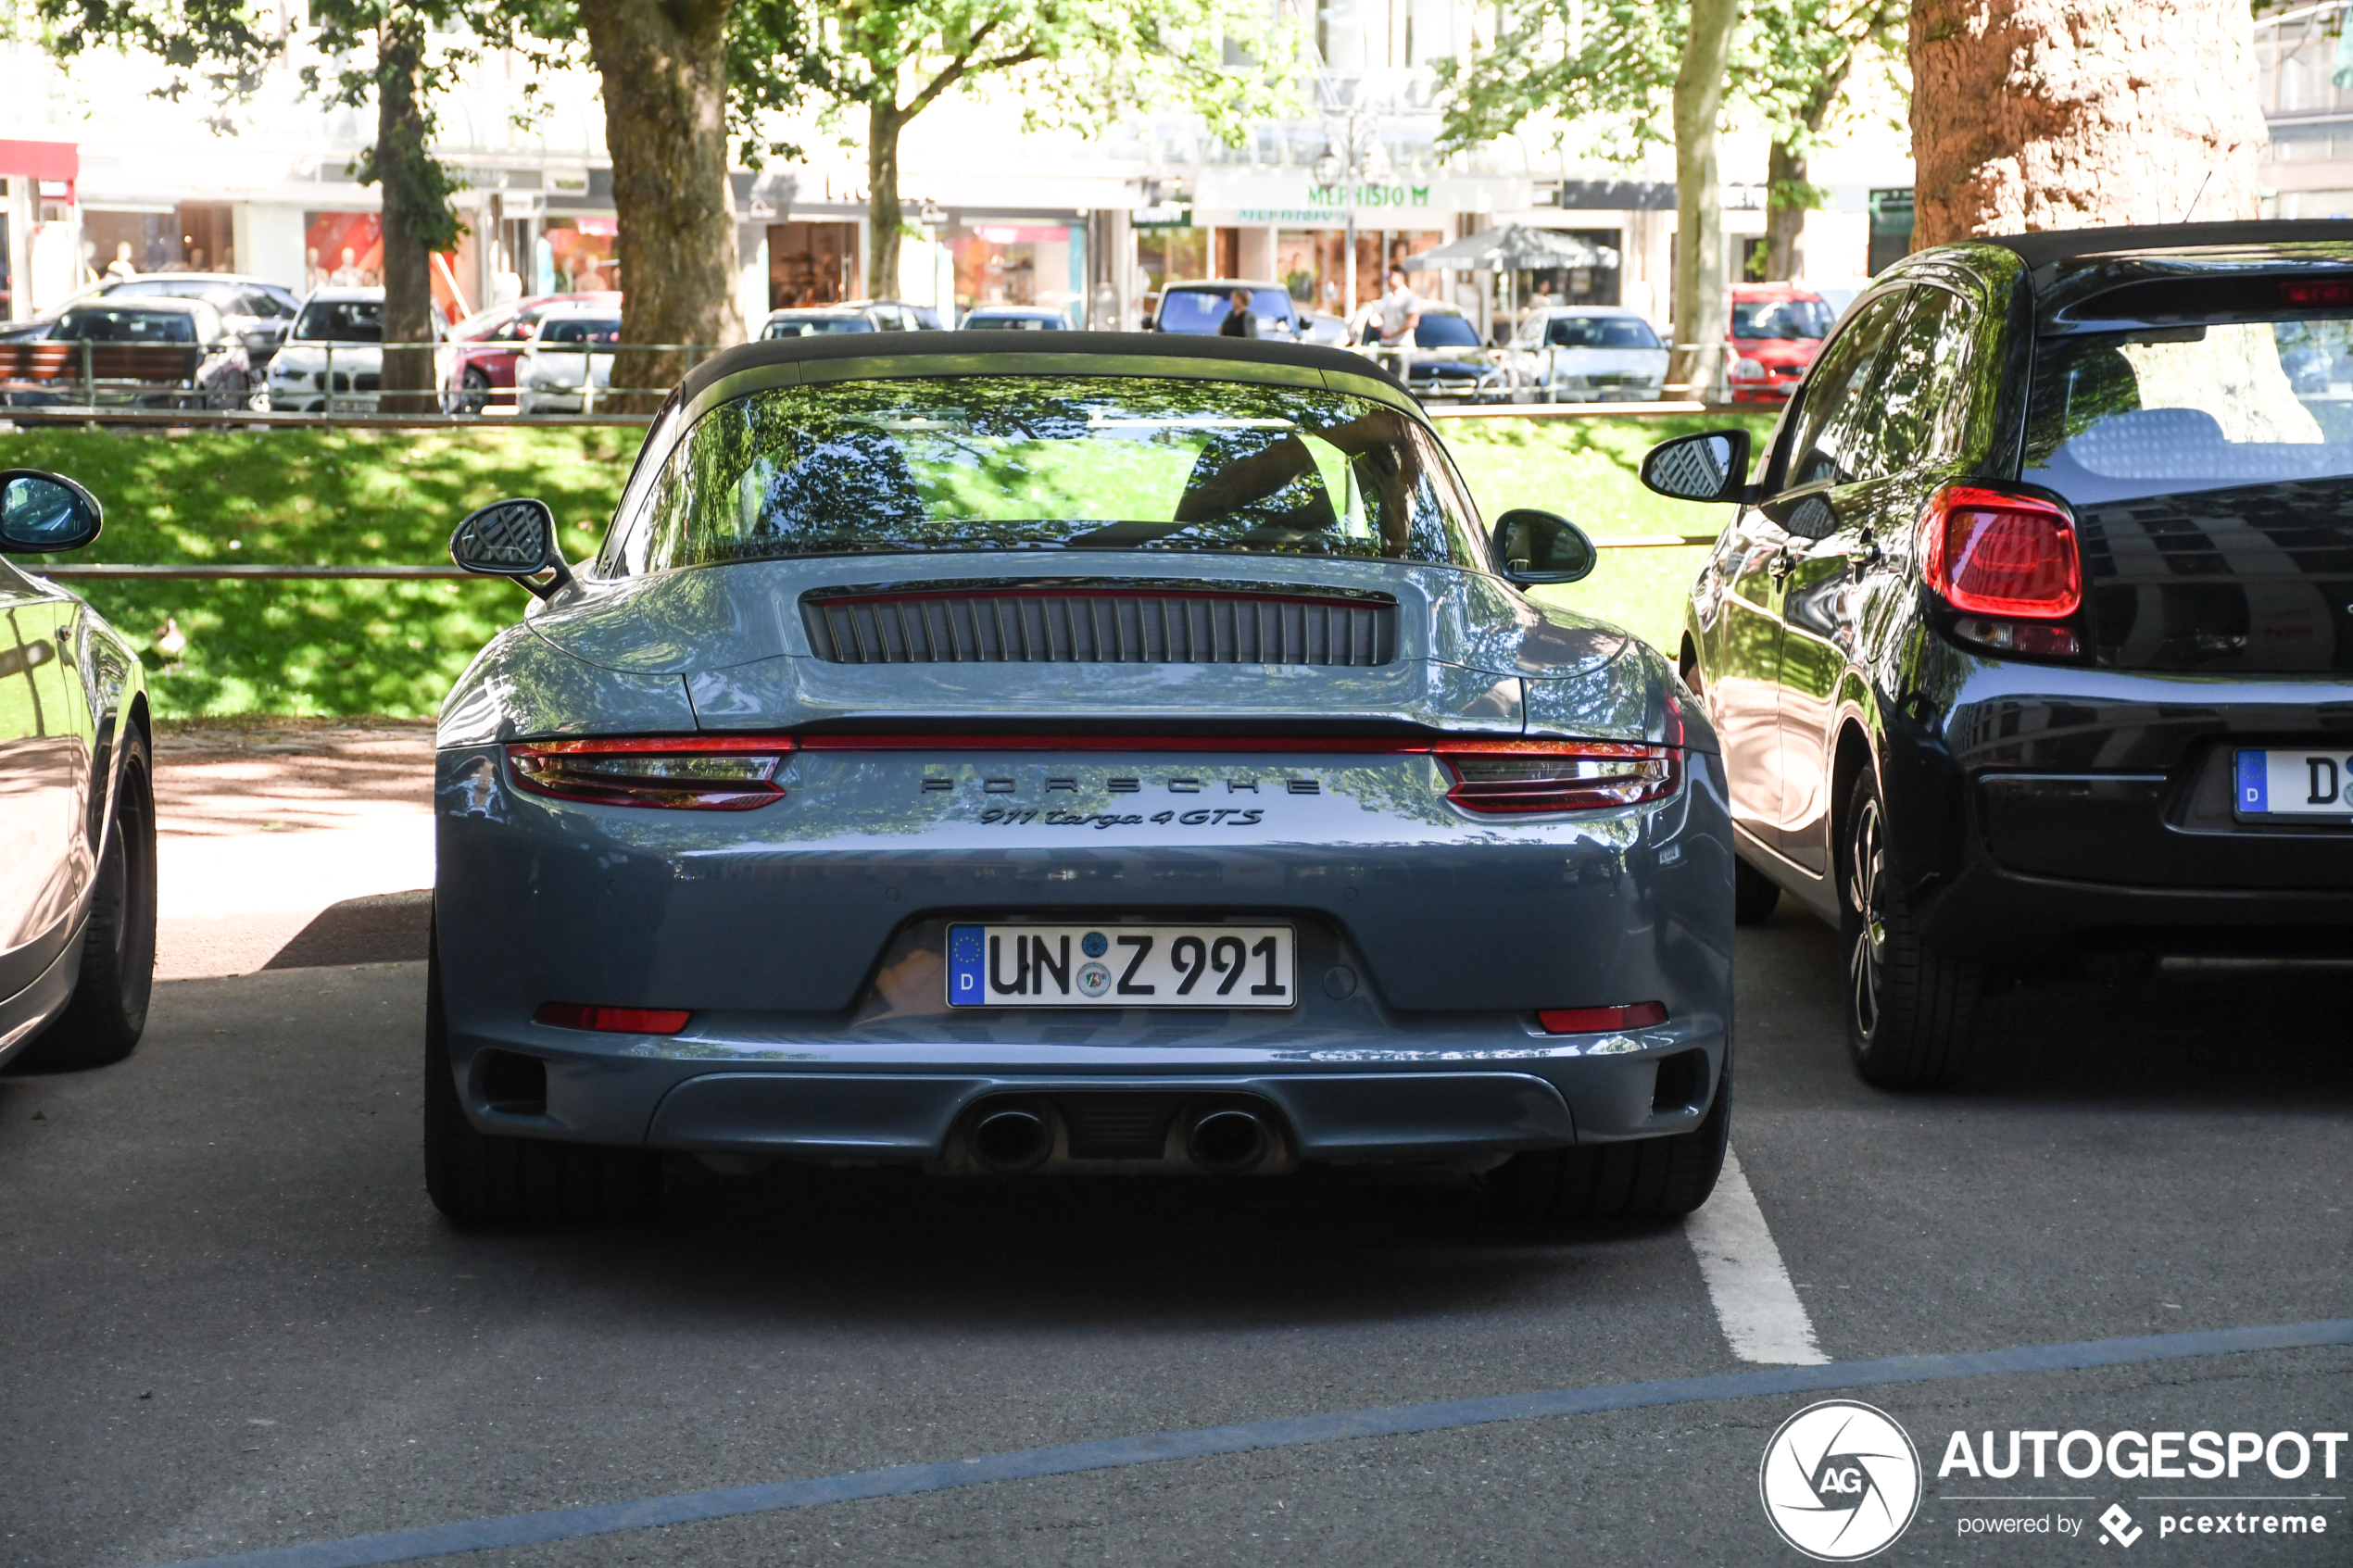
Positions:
(77, 812)
(572, 351)
(1590, 354)
(1136, 756)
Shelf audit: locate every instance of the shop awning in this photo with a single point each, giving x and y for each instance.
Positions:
(1512, 248)
(41, 160)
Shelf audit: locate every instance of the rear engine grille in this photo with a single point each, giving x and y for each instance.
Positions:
(1100, 628)
(1117, 1127)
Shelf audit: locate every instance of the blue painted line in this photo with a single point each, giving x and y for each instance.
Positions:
(907, 1480)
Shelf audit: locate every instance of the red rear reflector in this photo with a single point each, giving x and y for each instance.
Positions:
(612, 1020)
(698, 774)
(1498, 776)
(1595, 1021)
(2333, 292)
(1997, 553)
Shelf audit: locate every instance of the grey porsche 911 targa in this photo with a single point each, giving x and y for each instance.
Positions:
(1131, 757)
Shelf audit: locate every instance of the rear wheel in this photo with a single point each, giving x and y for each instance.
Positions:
(1910, 1009)
(109, 1012)
(1647, 1179)
(479, 1178)
(1754, 894)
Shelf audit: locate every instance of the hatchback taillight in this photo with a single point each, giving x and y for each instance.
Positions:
(1991, 553)
(1498, 776)
(701, 773)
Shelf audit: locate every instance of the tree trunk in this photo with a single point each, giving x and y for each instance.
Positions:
(2067, 114)
(1700, 321)
(1787, 200)
(883, 213)
(664, 72)
(416, 214)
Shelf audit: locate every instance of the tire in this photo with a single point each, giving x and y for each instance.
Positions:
(476, 394)
(1910, 1009)
(1645, 1179)
(109, 1012)
(1755, 895)
(479, 1179)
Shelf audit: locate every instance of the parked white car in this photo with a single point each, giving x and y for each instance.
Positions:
(571, 349)
(333, 361)
(1590, 354)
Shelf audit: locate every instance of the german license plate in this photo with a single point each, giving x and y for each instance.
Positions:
(2292, 782)
(1122, 966)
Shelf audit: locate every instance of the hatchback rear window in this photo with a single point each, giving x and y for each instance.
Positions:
(106, 323)
(1600, 331)
(815, 326)
(578, 330)
(1204, 310)
(342, 321)
(2161, 411)
(1781, 320)
(1080, 463)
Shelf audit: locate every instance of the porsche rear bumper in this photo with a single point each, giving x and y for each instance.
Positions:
(806, 938)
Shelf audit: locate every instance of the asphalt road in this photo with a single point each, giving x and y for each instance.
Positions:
(233, 1322)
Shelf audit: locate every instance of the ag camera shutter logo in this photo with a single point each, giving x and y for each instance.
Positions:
(1839, 1481)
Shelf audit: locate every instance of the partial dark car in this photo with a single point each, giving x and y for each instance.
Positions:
(77, 812)
(855, 316)
(257, 310)
(1014, 318)
(1202, 307)
(159, 353)
(485, 348)
(2031, 640)
(1119, 753)
(1446, 362)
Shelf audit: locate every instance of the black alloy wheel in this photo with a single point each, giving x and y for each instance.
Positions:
(478, 1178)
(108, 1013)
(1662, 1178)
(1910, 1009)
(476, 395)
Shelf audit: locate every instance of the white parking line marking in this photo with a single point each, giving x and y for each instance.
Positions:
(1763, 1319)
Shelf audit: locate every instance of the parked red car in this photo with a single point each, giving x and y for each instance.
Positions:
(485, 348)
(1777, 330)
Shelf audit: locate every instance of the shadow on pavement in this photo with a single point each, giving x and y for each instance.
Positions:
(383, 928)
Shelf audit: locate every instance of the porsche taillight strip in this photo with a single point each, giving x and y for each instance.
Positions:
(1492, 774)
(693, 772)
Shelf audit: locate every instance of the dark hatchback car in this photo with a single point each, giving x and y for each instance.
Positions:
(2032, 638)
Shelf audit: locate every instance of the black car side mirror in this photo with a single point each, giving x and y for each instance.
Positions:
(44, 513)
(1711, 465)
(1532, 547)
(513, 539)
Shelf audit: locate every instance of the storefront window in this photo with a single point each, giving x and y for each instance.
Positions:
(1170, 255)
(1597, 284)
(343, 250)
(579, 255)
(1006, 264)
(811, 264)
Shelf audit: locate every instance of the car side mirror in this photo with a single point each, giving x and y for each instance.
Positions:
(44, 513)
(513, 539)
(1533, 548)
(1712, 466)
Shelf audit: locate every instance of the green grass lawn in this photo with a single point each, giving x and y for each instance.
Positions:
(355, 497)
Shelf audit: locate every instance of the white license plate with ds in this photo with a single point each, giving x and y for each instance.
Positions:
(2294, 781)
(1122, 966)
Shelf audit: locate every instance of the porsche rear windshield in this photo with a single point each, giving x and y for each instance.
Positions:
(2160, 411)
(1077, 463)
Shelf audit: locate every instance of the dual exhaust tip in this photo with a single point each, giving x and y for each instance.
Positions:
(1224, 1140)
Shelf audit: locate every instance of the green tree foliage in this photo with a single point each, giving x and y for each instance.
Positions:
(1073, 63)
